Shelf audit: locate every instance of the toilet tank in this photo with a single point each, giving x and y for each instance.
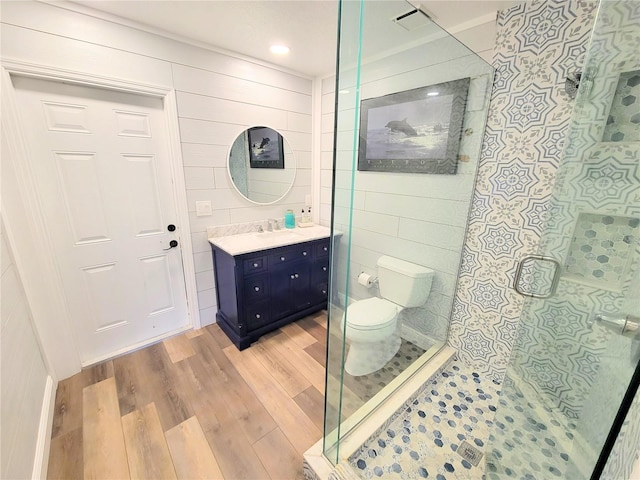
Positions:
(404, 283)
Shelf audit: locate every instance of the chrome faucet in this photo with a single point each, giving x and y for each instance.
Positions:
(273, 223)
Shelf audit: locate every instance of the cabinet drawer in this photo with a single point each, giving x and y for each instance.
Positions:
(254, 265)
(320, 291)
(257, 315)
(322, 249)
(299, 252)
(320, 269)
(256, 288)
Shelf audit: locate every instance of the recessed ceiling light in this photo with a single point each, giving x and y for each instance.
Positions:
(279, 49)
(433, 94)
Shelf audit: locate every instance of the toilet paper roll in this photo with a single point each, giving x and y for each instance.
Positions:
(366, 280)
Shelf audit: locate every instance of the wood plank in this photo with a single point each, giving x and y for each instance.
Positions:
(297, 333)
(321, 319)
(68, 406)
(147, 451)
(149, 376)
(65, 456)
(277, 363)
(97, 373)
(190, 451)
(103, 446)
(178, 348)
(255, 420)
(283, 347)
(68, 403)
(294, 423)
(193, 333)
(278, 456)
(311, 401)
(317, 331)
(130, 387)
(318, 352)
(219, 336)
(227, 434)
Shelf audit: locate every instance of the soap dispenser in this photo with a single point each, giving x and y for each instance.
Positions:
(305, 220)
(289, 219)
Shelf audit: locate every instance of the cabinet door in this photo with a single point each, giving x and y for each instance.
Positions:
(290, 288)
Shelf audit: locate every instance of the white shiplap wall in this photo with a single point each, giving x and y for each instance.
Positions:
(217, 97)
(24, 374)
(419, 218)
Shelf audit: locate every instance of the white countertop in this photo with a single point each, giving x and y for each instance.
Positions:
(255, 241)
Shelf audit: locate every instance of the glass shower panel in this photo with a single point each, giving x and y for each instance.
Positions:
(573, 360)
(411, 105)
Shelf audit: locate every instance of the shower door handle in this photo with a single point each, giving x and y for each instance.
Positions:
(554, 281)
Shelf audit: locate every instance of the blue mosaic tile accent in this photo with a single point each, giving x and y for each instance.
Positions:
(602, 248)
(421, 442)
(461, 405)
(528, 441)
(623, 122)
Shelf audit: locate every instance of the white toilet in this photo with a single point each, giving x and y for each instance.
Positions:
(371, 324)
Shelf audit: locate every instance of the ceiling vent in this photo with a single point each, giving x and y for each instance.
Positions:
(412, 19)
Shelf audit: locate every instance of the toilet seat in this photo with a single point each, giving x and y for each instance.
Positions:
(371, 314)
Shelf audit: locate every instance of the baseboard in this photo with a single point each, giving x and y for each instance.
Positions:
(43, 443)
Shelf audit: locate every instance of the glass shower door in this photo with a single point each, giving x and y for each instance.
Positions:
(578, 343)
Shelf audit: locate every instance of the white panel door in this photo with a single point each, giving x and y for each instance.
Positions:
(102, 164)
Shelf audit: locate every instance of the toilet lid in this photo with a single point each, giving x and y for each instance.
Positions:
(371, 313)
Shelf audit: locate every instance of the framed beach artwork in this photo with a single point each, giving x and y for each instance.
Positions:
(265, 148)
(415, 131)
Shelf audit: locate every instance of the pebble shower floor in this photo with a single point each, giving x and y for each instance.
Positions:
(455, 410)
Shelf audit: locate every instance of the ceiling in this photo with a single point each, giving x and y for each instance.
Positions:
(249, 27)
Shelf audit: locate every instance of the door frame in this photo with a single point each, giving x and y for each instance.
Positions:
(40, 268)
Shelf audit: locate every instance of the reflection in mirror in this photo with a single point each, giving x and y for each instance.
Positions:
(256, 165)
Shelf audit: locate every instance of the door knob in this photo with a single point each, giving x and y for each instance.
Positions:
(171, 227)
(625, 325)
(172, 244)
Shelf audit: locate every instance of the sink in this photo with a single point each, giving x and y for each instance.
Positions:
(279, 234)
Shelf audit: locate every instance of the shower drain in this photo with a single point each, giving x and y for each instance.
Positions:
(469, 453)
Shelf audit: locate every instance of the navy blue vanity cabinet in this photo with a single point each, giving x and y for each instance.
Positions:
(260, 291)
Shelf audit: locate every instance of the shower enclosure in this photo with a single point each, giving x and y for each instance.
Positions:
(567, 373)
(424, 96)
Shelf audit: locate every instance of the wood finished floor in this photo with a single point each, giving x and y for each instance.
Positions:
(195, 407)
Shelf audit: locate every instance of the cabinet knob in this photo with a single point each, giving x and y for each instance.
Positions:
(257, 289)
(324, 269)
(258, 315)
(255, 265)
(324, 248)
(324, 292)
(292, 276)
(304, 254)
(282, 259)
(297, 275)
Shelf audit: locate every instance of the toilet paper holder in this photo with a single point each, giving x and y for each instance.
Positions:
(367, 280)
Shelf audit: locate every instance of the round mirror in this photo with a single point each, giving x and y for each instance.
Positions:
(261, 165)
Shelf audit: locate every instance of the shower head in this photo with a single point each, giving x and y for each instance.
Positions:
(572, 83)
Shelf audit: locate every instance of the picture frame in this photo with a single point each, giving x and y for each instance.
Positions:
(414, 131)
(265, 148)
